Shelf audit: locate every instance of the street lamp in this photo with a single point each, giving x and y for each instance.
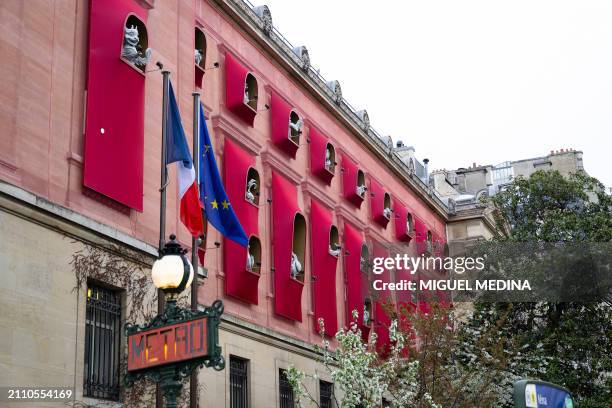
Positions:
(172, 272)
(177, 341)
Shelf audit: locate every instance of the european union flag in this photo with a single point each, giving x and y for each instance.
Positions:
(212, 193)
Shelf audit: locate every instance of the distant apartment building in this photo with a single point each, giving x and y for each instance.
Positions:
(467, 185)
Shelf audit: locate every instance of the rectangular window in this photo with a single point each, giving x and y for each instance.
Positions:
(102, 343)
(239, 382)
(285, 391)
(326, 391)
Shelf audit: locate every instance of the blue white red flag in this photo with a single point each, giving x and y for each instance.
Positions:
(177, 150)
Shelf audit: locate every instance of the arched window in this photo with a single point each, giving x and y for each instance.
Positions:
(250, 91)
(364, 262)
(135, 48)
(200, 48)
(330, 158)
(429, 242)
(409, 224)
(252, 189)
(295, 127)
(299, 247)
(387, 206)
(361, 185)
(334, 246)
(253, 263)
(199, 55)
(367, 312)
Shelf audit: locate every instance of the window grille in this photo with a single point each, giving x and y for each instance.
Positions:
(284, 390)
(326, 390)
(239, 377)
(102, 343)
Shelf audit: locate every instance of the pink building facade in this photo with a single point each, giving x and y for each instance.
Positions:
(93, 149)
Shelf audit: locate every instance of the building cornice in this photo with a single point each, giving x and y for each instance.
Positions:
(27, 205)
(265, 36)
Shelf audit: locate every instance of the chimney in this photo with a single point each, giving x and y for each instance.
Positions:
(426, 165)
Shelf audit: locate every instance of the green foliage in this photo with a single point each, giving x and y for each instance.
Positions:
(547, 207)
(565, 343)
(457, 366)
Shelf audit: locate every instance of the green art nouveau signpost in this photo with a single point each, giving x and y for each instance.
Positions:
(177, 341)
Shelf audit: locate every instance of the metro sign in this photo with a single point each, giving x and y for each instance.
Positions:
(541, 394)
(169, 344)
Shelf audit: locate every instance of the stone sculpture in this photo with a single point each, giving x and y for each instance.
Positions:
(131, 47)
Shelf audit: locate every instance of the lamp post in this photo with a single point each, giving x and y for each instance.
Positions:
(178, 340)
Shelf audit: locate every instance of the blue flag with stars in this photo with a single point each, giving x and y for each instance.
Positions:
(212, 192)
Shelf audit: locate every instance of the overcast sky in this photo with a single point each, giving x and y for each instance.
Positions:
(468, 81)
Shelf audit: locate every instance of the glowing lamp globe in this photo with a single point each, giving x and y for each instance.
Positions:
(173, 272)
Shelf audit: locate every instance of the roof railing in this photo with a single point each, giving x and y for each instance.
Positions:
(315, 74)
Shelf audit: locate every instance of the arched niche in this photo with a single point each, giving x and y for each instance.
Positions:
(295, 127)
(299, 245)
(143, 41)
(387, 205)
(330, 158)
(251, 92)
(334, 241)
(361, 184)
(364, 260)
(366, 319)
(409, 224)
(254, 255)
(252, 187)
(200, 47)
(199, 55)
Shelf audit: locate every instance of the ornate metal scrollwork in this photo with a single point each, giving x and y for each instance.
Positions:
(170, 376)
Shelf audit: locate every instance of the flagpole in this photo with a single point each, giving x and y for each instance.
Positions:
(162, 202)
(164, 169)
(193, 383)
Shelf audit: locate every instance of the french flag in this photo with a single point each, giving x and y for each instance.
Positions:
(177, 150)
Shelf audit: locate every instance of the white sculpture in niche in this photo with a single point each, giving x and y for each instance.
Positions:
(387, 212)
(247, 98)
(250, 196)
(363, 264)
(296, 266)
(250, 262)
(198, 56)
(334, 250)
(328, 161)
(295, 127)
(366, 315)
(360, 190)
(130, 51)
